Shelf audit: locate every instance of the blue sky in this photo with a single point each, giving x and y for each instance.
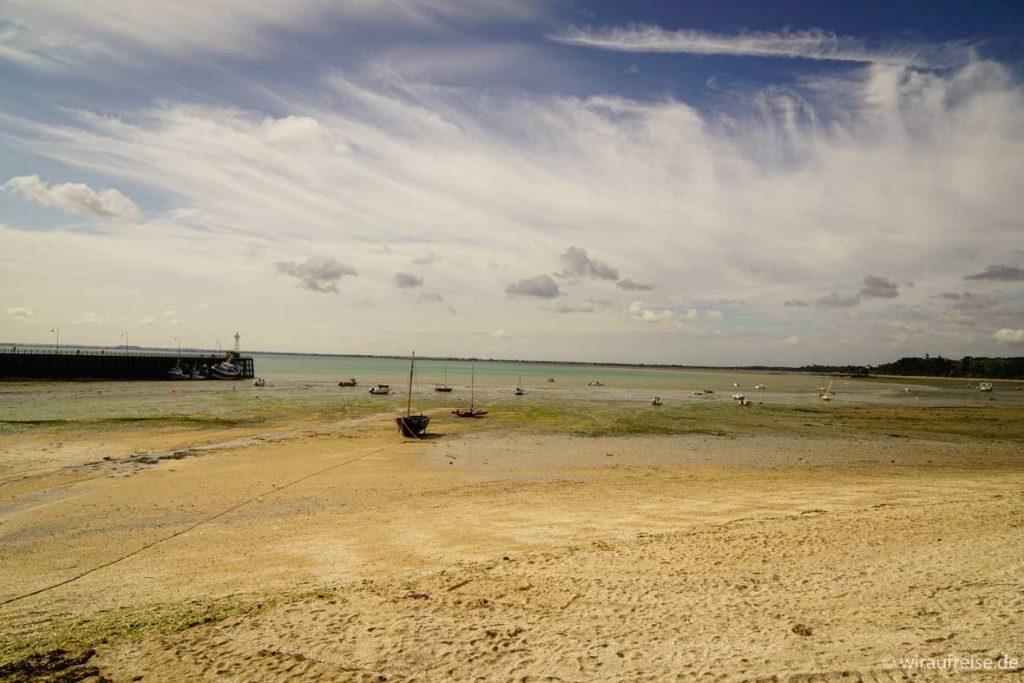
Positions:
(718, 183)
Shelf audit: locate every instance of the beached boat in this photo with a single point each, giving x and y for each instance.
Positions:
(985, 386)
(411, 425)
(381, 389)
(472, 411)
(444, 388)
(178, 373)
(519, 388)
(259, 382)
(656, 401)
(226, 369)
(826, 394)
(350, 382)
(595, 383)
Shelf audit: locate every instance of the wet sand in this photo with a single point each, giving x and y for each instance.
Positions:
(337, 551)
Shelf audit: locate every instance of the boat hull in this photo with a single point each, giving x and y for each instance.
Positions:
(412, 426)
(469, 413)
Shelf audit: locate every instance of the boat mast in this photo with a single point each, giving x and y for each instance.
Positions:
(408, 404)
(472, 387)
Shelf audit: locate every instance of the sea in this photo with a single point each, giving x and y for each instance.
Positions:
(295, 383)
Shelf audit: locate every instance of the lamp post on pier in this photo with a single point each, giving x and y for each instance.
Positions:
(125, 336)
(57, 330)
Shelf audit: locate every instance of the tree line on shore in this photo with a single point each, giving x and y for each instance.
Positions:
(935, 366)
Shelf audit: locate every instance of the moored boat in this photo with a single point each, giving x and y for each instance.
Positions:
(226, 369)
(177, 373)
(411, 425)
(472, 411)
(443, 387)
(381, 389)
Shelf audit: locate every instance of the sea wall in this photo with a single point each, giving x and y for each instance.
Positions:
(117, 365)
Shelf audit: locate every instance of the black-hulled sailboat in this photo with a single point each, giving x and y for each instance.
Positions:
(411, 425)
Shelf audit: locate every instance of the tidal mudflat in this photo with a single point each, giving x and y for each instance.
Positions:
(576, 533)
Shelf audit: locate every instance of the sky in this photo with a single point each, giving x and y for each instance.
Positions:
(700, 183)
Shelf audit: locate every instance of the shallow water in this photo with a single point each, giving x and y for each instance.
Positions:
(297, 384)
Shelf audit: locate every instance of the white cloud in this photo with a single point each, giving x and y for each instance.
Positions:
(628, 284)
(790, 196)
(579, 264)
(72, 35)
(1008, 336)
(838, 300)
(318, 274)
(810, 44)
(22, 312)
(879, 287)
(562, 306)
(74, 198)
(542, 287)
(999, 273)
(637, 311)
(408, 280)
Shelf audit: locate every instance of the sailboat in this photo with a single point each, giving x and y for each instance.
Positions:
(443, 387)
(411, 425)
(519, 388)
(826, 395)
(472, 412)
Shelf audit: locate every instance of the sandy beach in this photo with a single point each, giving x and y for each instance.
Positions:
(335, 550)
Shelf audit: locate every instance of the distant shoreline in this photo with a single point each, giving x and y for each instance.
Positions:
(813, 369)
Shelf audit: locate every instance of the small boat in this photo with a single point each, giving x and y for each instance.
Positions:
(444, 388)
(656, 401)
(381, 389)
(759, 386)
(551, 379)
(350, 382)
(472, 411)
(519, 388)
(826, 394)
(226, 369)
(985, 386)
(411, 425)
(709, 391)
(259, 382)
(177, 373)
(197, 372)
(697, 393)
(746, 402)
(595, 383)
(739, 397)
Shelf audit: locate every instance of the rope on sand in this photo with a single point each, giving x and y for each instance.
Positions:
(201, 522)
